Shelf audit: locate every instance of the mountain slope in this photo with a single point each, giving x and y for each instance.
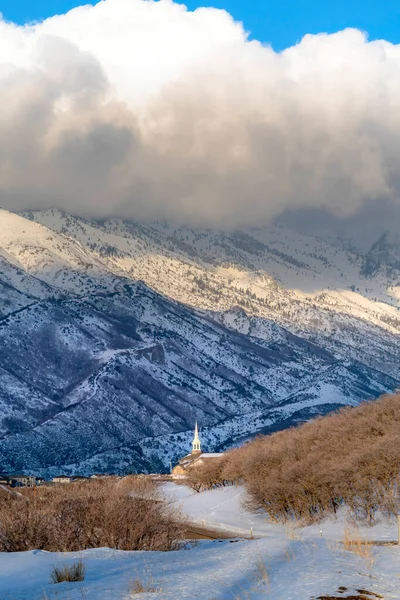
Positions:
(57, 260)
(99, 371)
(306, 285)
(385, 252)
(111, 370)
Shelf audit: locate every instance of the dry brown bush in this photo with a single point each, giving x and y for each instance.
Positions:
(207, 475)
(348, 458)
(130, 514)
(74, 572)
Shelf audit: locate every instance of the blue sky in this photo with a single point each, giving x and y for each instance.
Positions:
(281, 23)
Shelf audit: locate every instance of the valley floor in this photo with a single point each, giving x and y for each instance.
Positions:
(281, 563)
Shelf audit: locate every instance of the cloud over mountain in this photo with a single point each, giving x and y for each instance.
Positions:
(144, 109)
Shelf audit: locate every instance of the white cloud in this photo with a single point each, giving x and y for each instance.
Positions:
(146, 110)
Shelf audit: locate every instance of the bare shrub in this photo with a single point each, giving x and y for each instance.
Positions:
(305, 473)
(207, 475)
(349, 458)
(130, 514)
(74, 572)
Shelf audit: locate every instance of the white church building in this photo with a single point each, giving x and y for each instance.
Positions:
(196, 458)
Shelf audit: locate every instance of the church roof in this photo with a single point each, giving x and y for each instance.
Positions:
(212, 454)
(190, 459)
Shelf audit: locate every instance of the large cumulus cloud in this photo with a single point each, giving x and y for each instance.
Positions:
(143, 109)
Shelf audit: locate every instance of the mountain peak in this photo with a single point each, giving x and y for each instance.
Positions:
(385, 252)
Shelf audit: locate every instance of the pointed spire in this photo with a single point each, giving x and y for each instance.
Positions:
(196, 446)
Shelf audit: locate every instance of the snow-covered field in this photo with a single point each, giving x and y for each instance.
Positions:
(301, 564)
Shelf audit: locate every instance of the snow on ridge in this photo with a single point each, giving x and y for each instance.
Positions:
(288, 322)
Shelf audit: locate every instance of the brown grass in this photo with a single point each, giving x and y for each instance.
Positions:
(139, 588)
(74, 572)
(353, 542)
(145, 584)
(128, 514)
(261, 572)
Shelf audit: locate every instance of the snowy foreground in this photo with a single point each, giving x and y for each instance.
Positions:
(301, 564)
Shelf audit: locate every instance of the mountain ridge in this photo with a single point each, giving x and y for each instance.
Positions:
(98, 360)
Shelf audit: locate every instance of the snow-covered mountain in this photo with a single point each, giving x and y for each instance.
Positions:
(308, 286)
(384, 253)
(115, 336)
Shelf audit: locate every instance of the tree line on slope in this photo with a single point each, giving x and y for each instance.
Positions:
(349, 458)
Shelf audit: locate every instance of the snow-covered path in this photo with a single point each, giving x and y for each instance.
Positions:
(226, 507)
(220, 508)
(301, 564)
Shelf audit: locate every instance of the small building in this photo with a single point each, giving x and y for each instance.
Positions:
(15, 480)
(68, 478)
(196, 458)
(62, 479)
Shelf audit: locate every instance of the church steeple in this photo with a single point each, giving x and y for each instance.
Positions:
(196, 446)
